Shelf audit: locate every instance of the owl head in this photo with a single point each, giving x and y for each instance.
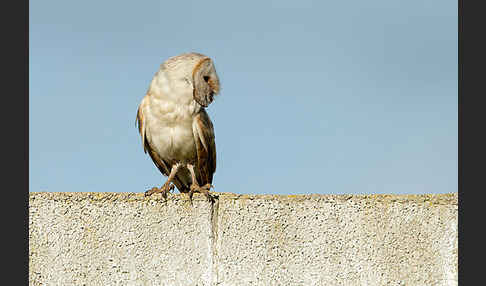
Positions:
(193, 71)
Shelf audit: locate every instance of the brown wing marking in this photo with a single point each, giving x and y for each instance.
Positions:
(205, 147)
(140, 119)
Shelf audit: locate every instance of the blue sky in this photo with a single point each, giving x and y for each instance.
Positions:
(329, 97)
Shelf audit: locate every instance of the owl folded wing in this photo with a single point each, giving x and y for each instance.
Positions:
(159, 162)
(205, 147)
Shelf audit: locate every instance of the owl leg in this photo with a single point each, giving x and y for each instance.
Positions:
(168, 186)
(195, 186)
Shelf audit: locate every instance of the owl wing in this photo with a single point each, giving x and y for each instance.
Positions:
(205, 148)
(140, 119)
(159, 162)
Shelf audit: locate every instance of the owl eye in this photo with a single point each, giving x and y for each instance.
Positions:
(206, 78)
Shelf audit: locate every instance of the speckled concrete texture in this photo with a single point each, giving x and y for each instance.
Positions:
(118, 239)
(337, 240)
(127, 239)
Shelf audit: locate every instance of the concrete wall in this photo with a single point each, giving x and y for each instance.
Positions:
(127, 239)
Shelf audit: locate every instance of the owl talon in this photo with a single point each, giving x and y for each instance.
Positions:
(167, 190)
(203, 190)
(164, 190)
(151, 191)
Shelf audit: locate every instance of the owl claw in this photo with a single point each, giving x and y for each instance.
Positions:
(151, 191)
(203, 190)
(164, 190)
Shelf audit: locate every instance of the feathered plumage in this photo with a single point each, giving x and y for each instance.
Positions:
(175, 129)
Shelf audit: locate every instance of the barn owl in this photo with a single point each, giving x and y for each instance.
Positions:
(176, 130)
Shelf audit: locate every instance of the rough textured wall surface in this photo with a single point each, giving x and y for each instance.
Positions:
(128, 239)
